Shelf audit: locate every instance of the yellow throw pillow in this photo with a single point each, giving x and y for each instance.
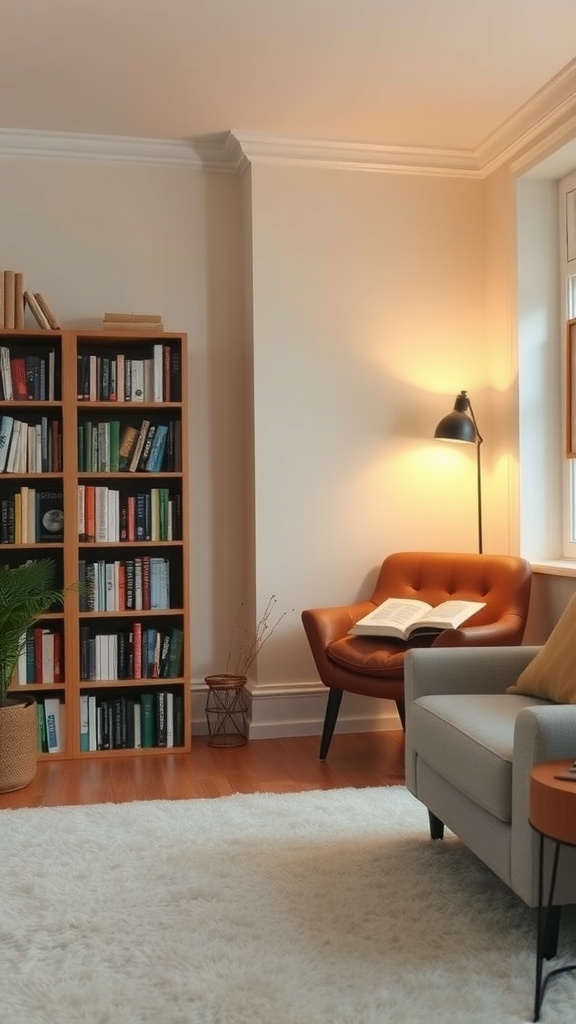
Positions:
(552, 673)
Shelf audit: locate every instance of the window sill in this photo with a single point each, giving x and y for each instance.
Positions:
(555, 567)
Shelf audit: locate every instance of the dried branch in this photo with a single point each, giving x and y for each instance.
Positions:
(245, 647)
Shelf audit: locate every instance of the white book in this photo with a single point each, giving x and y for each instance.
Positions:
(101, 514)
(31, 431)
(12, 461)
(113, 515)
(22, 453)
(6, 373)
(81, 510)
(113, 656)
(54, 725)
(110, 588)
(402, 618)
(137, 389)
(84, 722)
(92, 730)
(158, 386)
(47, 656)
(6, 424)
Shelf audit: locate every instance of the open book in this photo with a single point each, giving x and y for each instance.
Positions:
(404, 617)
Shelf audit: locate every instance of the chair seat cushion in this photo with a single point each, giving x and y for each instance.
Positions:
(373, 656)
(468, 739)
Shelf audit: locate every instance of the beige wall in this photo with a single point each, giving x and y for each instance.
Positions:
(369, 300)
(333, 316)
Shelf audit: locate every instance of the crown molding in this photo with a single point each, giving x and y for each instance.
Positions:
(547, 119)
(538, 125)
(276, 149)
(212, 153)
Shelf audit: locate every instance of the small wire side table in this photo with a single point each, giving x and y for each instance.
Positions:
(227, 710)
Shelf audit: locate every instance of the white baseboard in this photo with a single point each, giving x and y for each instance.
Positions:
(297, 709)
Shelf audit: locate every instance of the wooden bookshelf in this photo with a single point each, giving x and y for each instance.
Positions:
(123, 650)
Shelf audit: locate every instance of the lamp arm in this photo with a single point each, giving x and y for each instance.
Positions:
(479, 437)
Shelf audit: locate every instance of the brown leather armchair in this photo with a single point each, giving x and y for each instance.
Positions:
(374, 666)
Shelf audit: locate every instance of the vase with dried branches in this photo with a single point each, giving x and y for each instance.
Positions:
(227, 704)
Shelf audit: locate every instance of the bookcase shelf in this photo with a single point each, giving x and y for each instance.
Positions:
(101, 488)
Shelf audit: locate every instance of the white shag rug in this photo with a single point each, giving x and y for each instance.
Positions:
(312, 908)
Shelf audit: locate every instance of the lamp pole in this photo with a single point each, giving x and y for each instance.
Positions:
(460, 425)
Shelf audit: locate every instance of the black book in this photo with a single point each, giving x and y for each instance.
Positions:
(50, 516)
(178, 720)
(161, 723)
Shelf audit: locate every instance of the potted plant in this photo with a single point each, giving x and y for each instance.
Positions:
(27, 592)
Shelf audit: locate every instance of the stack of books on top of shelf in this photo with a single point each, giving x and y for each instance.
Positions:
(14, 299)
(135, 322)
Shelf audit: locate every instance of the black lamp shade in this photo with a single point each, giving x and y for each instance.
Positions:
(458, 425)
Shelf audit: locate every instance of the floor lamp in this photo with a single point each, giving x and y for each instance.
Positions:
(460, 425)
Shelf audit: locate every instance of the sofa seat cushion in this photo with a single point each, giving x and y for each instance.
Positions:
(374, 655)
(468, 739)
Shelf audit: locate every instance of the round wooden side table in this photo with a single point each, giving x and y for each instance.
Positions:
(552, 814)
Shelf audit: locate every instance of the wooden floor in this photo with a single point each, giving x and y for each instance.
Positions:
(262, 766)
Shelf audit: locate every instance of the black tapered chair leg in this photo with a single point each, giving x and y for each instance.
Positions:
(436, 826)
(330, 719)
(551, 932)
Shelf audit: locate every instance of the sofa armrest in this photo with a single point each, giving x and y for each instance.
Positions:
(463, 670)
(544, 732)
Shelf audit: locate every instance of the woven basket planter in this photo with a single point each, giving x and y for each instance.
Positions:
(18, 743)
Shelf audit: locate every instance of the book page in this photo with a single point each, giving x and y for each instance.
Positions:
(396, 611)
(452, 613)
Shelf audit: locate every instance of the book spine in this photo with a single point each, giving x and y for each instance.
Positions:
(32, 302)
(139, 446)
(18, 300)
(9, 297)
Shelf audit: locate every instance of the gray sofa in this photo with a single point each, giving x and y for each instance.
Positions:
(469, 750)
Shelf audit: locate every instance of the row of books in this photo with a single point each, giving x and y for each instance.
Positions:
(120, 377)
(108, 514)
(30, 447)
(137, 652)
(29, 377)
(108, 446)
(131, 721)
(139, 584)
(30, 516)
(14, 299)
(40, 659)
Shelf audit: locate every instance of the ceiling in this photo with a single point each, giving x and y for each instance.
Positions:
(407, 73)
